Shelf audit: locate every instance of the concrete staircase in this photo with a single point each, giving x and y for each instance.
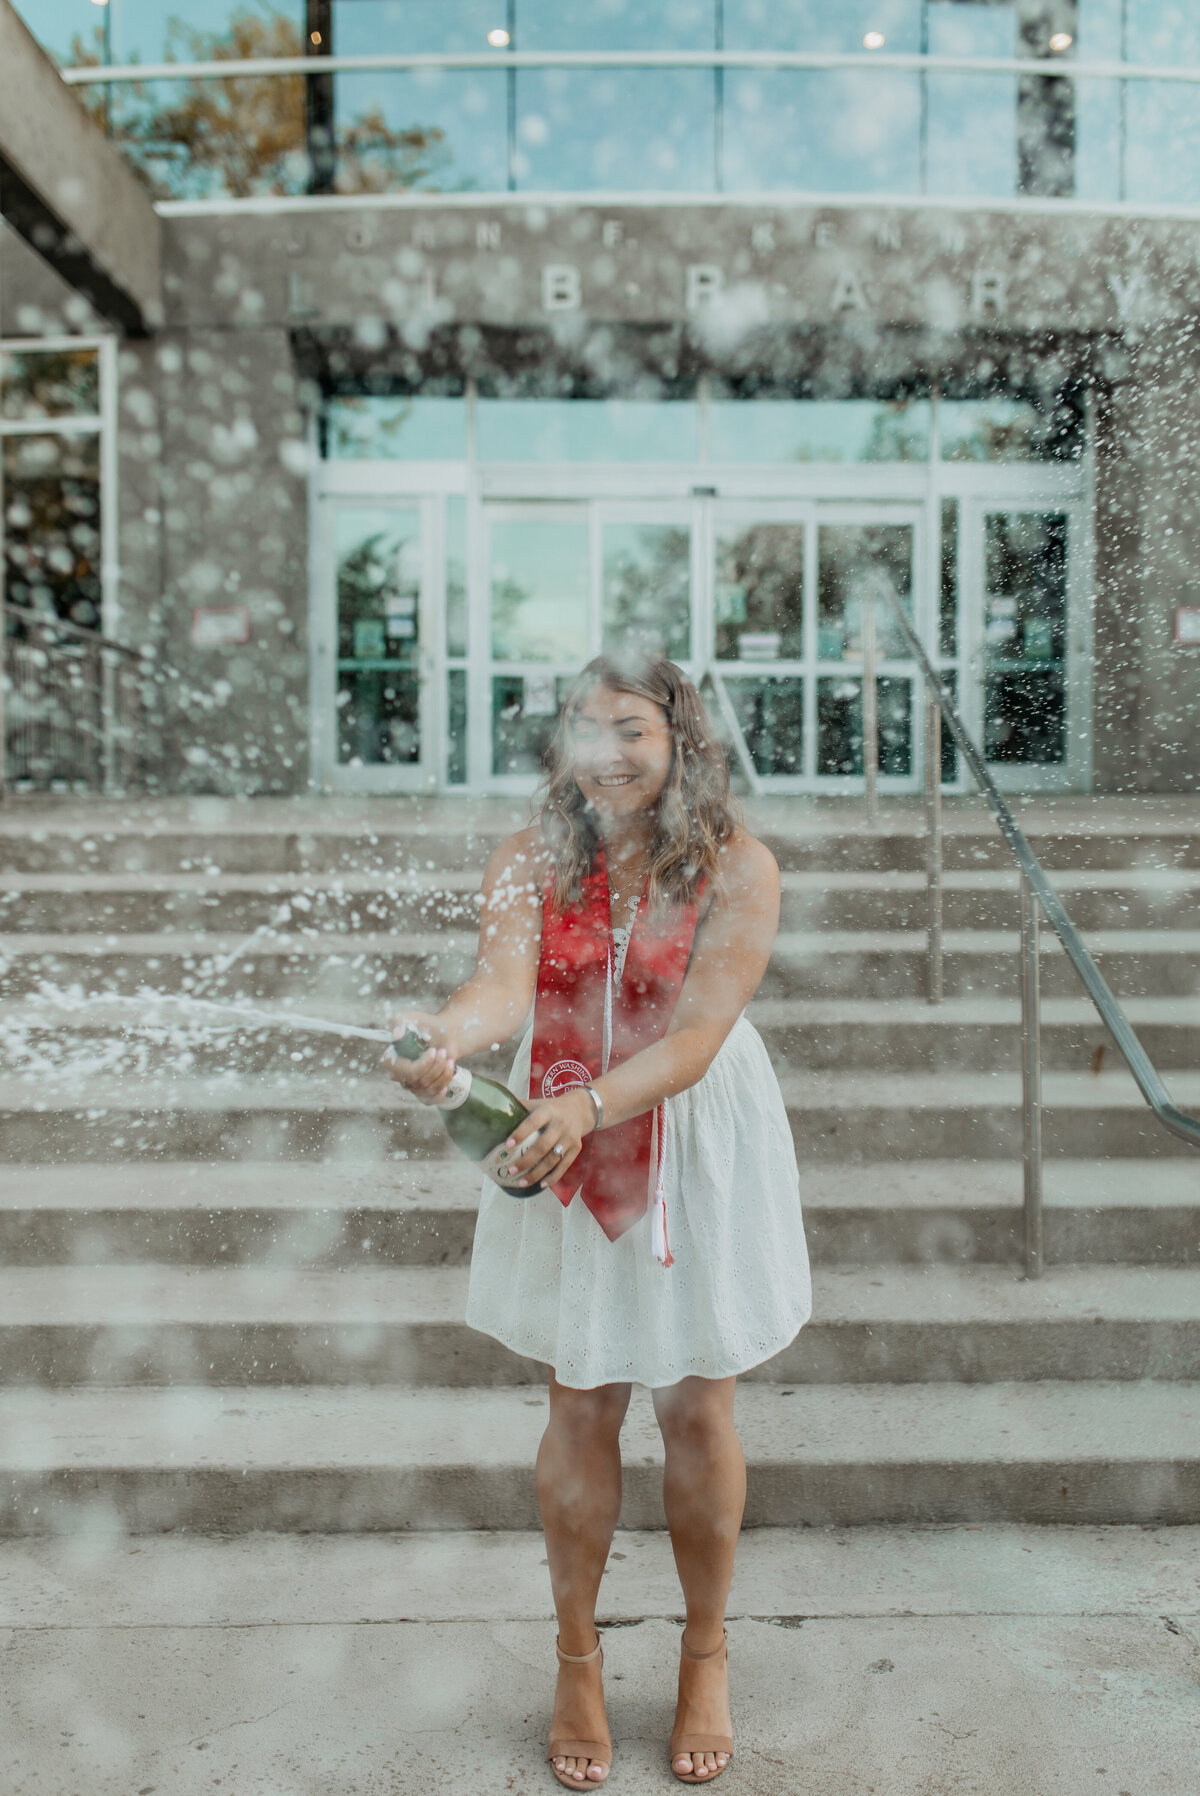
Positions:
(232, 1270)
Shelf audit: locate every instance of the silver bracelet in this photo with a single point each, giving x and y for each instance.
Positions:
(599, 1103)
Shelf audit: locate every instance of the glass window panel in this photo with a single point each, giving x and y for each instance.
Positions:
(616, 24)
(456, 718)
(758, 592)
(824, 130)
(196, 30)
(972, 28)
(52, 523)
(632, 129)
(524, 715)
(406, 427)
(1024, 718)
(821, 24)
(1097, 139)
(948, 592)
(622, 430)
(949, 751)
(1098, 30)
(209, 139)
(818, 430)
(1164, 31)
(996, 430)
(49, 383)
(1025, 618)
(1162, 142)
(539, 589)
(442, 130)
(71, 31)
(647, 586)
(378, 717)
(370, 27)
(770, 715)
(971, 120)
(378, 553)
(854, 562)
(456, 576)
(840, 728)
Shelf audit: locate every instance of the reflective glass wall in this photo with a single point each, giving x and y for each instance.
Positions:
(858, 125)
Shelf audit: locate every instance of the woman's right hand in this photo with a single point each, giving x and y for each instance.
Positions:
(428, 1077)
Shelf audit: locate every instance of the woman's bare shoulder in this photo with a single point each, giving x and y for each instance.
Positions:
(746, 862)
(520, 857)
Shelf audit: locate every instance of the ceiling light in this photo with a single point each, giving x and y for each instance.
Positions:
(1062, 40)
(498, 38)
(314, 37)
(874, 40)
(99, 2)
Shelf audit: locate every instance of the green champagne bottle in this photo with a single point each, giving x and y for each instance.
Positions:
(480, 1114)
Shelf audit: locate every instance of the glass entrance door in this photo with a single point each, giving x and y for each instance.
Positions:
(564, 582)
(789, 584)
(1021, 617)
(373, 717)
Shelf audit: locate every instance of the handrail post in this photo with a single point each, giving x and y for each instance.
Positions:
(870, 712)
(933, 849)
(1031, 1081)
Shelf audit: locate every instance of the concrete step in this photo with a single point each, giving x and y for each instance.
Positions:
(345, 968)
(356, 834)
(422, 900)
(422, 1213)
(173, 1325)
(90, 1461)
(976, 1034)
(496, 1577)
(834, 1116)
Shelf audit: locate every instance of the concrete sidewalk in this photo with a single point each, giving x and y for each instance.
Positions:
(863, 1662)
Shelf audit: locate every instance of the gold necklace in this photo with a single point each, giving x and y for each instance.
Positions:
(619, 898)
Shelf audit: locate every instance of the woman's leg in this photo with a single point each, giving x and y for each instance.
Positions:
(579, 1496)
(704, 1494)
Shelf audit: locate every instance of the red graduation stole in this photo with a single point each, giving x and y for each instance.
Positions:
(576, 985)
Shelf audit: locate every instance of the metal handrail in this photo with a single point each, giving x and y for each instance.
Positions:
(1035, 886)
(77, 704)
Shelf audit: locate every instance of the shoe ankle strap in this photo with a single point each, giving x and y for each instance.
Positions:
(693, 1654)
(578, 1658)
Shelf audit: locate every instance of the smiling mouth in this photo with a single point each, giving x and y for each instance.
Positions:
(623, 779)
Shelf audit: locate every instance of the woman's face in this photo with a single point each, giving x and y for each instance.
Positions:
(621, 752)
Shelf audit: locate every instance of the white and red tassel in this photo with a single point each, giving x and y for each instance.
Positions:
(658, 1223)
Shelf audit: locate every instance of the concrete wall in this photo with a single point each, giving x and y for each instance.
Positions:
(1163, 408)
(234, 532)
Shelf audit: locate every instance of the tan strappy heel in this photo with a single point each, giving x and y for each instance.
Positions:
(580, 1749)
(681, 1743)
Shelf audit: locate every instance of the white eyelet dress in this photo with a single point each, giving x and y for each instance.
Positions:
(547, 1282)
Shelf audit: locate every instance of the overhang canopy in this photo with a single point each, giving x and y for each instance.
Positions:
(67, 191)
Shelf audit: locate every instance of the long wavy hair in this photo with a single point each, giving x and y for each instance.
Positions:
(696, 813)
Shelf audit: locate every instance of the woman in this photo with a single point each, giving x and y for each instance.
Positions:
(667, 1248)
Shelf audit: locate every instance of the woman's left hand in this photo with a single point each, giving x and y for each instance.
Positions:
(557, 1122)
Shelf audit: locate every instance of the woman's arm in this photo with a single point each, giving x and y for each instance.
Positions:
(732, 947)
(496, 998)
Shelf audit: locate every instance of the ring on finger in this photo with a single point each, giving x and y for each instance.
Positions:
(560, 1150)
